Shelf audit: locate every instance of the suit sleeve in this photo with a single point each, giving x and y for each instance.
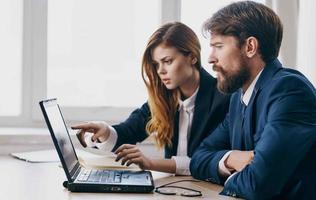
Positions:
(204, 162)
(133, 129)
(287, 136)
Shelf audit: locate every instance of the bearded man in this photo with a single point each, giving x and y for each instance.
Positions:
(266, 146)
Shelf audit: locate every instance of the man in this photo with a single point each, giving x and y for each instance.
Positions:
(266, 146)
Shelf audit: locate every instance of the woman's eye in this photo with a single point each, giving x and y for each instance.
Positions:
(168, 62)
(155, 65)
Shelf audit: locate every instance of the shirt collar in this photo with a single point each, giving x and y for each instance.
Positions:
(245, 97)
(188, 104)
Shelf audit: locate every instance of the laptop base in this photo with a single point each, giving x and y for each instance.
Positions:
(93, 188)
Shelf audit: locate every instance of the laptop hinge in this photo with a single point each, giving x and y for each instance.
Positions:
(76, 170)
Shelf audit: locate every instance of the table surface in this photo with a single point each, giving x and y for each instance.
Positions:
(40, 181)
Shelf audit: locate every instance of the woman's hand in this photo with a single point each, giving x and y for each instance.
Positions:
(131, 154)
(100, 130)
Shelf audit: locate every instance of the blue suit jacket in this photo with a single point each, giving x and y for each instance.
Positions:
(280, 126)
(210, 109)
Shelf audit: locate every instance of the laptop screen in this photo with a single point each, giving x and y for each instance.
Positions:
(59, 128)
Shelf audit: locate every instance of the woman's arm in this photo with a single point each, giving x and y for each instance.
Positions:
(130, 154)
(131, 131)
(164, 165)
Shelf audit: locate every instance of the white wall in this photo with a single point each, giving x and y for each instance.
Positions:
(306, 54)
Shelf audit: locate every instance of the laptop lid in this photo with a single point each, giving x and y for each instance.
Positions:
(132, 181)
(61, 138)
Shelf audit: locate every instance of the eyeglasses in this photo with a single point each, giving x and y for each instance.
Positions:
(169, 189)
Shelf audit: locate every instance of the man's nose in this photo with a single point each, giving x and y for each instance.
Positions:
(211, 58)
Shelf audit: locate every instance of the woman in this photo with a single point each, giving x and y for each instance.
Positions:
(183, 107)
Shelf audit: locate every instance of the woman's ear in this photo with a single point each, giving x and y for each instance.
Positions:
(251, 46)
(193, 60)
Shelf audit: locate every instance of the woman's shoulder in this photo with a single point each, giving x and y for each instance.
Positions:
(206, 79)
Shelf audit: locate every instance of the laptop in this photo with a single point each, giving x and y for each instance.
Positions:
(81, 179)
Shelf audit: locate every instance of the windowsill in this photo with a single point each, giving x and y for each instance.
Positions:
(13, 139)
(17, 140)
(30, 139)
(24, 139)
(24, 136)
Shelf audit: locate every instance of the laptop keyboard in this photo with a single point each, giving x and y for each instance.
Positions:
(100, 176)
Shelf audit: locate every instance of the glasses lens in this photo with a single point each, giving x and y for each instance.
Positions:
(191, 194)
(180, 191)
(167, 191)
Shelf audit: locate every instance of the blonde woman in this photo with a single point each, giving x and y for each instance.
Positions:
(183, 106)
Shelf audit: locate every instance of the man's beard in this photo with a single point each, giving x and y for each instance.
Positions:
(232, 82)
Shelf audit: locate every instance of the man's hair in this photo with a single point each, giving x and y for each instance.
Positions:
(245, 19)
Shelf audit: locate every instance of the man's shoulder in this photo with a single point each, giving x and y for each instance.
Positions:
(288, 79)
(288, 87)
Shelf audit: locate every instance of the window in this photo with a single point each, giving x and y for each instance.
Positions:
(59, 42)
(95, 50)
(11, 12)
(306, 40)
(88, 53)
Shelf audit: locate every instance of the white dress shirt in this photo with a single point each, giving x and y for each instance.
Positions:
(104, 146)
(245, 98)
(186, 110)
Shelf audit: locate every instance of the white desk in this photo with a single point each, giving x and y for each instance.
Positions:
(43, 181)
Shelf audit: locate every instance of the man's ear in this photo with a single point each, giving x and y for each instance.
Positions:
(251, 46)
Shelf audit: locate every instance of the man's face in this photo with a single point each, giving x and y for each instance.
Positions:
(229, 62)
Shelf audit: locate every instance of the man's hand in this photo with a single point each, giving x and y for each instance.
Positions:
(238, 160)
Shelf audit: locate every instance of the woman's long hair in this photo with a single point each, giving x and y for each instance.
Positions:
(162, 102)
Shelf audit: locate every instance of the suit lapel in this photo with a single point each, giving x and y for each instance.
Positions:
(249, 121)
(248, 126)
(172, 151)
(269, 70)
(200, 116)
(202, 106)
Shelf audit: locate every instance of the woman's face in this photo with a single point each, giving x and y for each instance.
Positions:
(174, 69)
